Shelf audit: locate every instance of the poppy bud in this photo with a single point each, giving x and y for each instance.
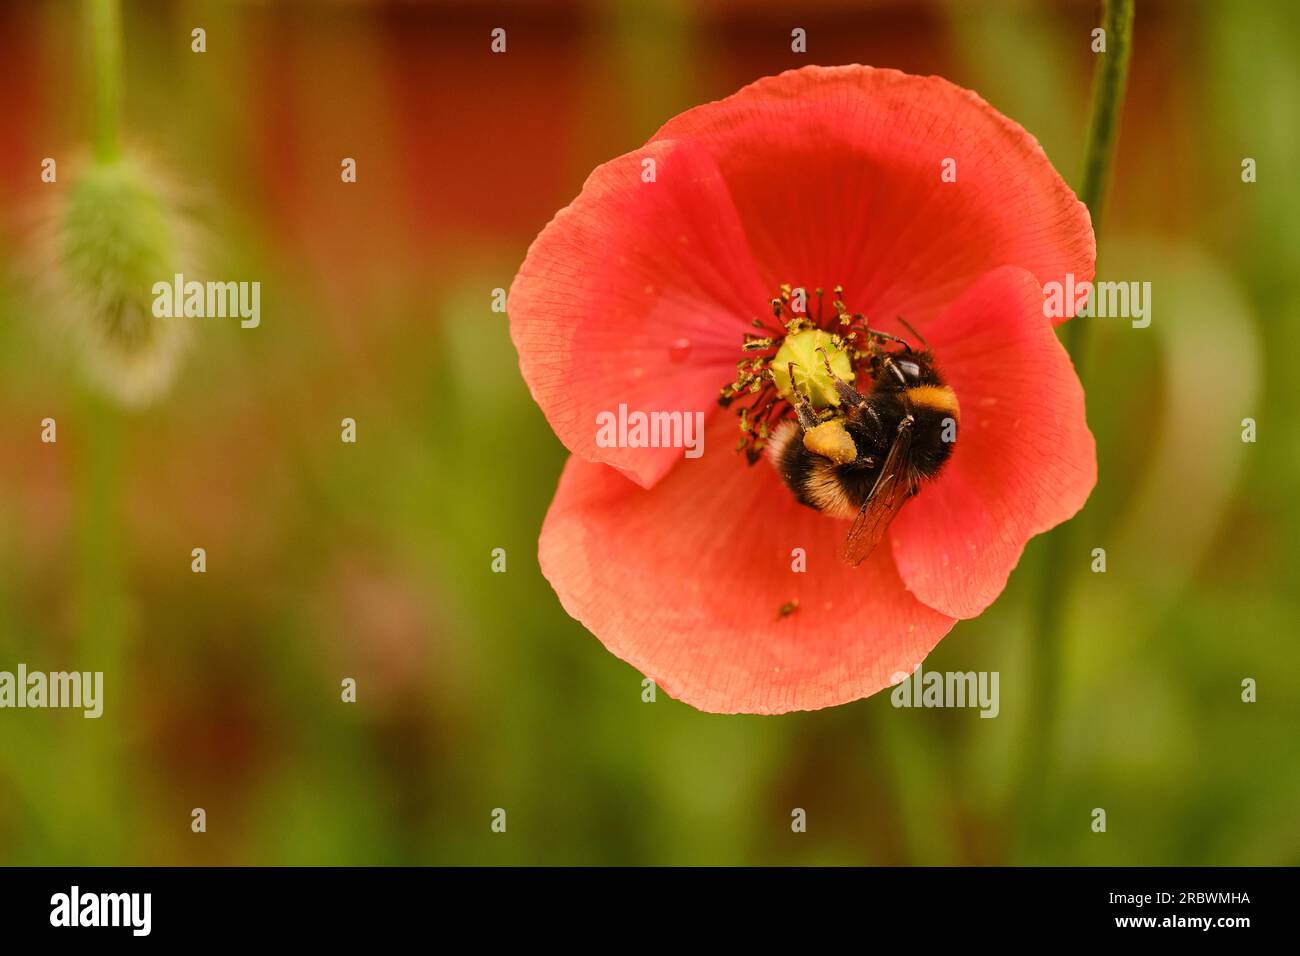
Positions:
(116, 232)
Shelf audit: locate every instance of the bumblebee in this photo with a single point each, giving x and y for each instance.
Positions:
(876, 451)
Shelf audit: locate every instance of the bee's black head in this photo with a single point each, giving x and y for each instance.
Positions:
(906, 369)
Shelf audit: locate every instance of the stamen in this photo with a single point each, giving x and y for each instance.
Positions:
(818, 346)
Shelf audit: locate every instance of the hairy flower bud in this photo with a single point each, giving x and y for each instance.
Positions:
(117, 231)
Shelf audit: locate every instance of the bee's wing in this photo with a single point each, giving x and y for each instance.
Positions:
(893, 486)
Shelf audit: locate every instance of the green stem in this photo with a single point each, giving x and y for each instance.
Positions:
(1059, 552)
(102, 628)
(106, 42)
(99, 565)
(1110, 79)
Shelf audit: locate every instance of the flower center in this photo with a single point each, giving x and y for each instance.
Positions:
(798, 362)
(792, 354)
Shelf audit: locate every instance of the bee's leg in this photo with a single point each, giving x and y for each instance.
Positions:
(887, 365)
(848, 394)
(807, 417)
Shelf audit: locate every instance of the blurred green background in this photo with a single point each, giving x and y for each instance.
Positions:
(372, 560)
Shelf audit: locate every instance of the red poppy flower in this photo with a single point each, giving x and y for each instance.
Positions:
(641, 294)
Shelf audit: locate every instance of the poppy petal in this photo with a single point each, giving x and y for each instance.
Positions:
(638, 293)
(685, 582)
(838, 176)
(1024, 459)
